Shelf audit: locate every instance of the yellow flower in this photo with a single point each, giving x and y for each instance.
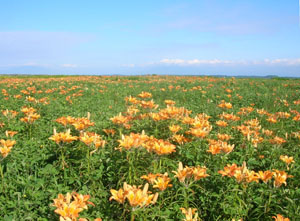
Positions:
(224, 104)
(151, 177)
(182, 173)
(10, 133)
(160, 181)
(132, 141)
(9, 113)
(63, 137)
(69, 209)
(199, 132)
(224, 137)
(28, 110)
(6, 146)
(287, 159)
(190, 214)
(199, 173)
(277, 140)
(265, 176)
(118, 195)
(162, 147)
(65, 120)
(187, 172)
(148, 104)
(280, 178)
(216, 146)
(120, 119)
(132, 100)
(169, 102)
(145, 95)
(135, 196)
(180, 139)
(30, 118)
(109, 131)
(242, 174)
(174, 128)
(221, 123)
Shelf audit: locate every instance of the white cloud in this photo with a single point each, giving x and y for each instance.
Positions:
(194, 61)
(283, 61)
(172, 61)
(70, 65)
(182, 62)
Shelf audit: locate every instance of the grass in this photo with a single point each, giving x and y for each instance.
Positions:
(37, 169)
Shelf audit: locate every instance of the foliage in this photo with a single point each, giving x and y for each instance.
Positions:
(149, 148)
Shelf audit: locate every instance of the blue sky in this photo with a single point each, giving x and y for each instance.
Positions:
(249, 37)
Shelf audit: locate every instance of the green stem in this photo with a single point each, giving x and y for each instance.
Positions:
(88, 158)
(160, 162)
(30, 131)
(132, 216)
(63, 163)
(62, 158)
(2, 178)
(186, 202)
(131, 166)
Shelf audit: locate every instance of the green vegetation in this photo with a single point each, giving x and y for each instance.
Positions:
(262, 117)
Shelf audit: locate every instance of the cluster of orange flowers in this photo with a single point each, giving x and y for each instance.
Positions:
(109, 131)
(30, 115)
(170, 112)
(218, 146)
(6, 146)
(145, 95)
(184, 173)
(242, 174)
(190, 214)
(79, 123)
(148, 104)
(10, 133)
(91, 138)
(69, 206)
(160, 181)
(221, 123)
(64, 137)
(151, 144)
(287, 159)
(136, 197)
(250, 130)
(201, 126)
(174, 128)
(180, 139)
(122, 120)
(224, 104)
(277, 140)
(9, 113)
(245, 110)
(226, 116)
(44, 100)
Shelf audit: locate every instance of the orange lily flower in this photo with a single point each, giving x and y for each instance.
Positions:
(63, 137)
(287, 159)
(280, 218)
(190, 214)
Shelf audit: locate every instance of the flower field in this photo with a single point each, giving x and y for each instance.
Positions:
(149, 148)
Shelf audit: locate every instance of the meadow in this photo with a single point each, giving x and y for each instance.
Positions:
(149, 148)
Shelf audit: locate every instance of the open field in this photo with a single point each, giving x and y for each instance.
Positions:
(149, 148)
